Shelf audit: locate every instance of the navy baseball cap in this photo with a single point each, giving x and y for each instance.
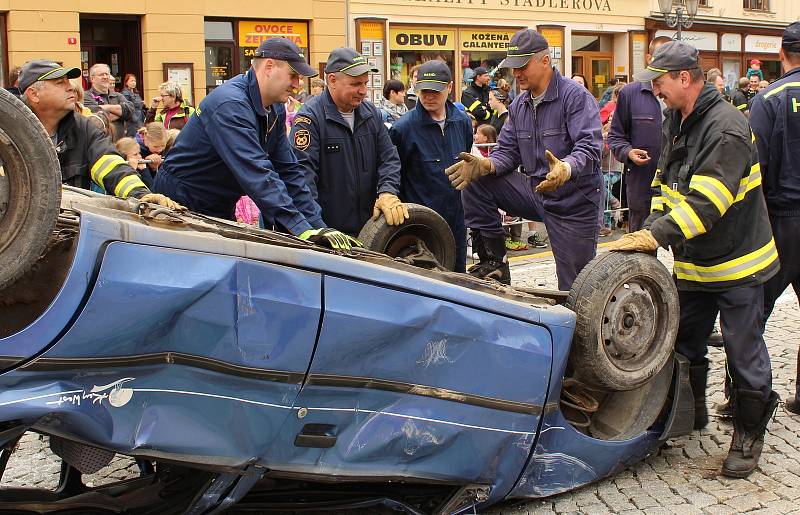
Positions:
(433, 75)
(284, 50)
(348, 61)
(791, 37)
(480, 70)
(521, 48)
(42, 69)
(672, 56)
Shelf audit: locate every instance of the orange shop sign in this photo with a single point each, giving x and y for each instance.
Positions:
(253, 33)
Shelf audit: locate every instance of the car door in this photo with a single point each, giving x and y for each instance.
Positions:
(178, 354)
(406, 385)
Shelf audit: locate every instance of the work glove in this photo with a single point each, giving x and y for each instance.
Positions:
(162, 200)
(330, 238)
(639, 241)
(559, 174)
(395, 211)
(469, 168)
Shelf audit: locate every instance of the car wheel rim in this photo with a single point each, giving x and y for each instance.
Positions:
(633, 323)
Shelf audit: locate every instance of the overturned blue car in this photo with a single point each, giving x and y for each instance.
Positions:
(249, 371)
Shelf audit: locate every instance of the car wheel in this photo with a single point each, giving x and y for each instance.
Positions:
(30, 189)
(627, 320)
(423, 224)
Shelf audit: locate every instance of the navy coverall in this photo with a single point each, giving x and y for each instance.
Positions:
(775, 120)
(425, 151)
(231, 147)
(567, 123)
(345, 169)
(637, 124)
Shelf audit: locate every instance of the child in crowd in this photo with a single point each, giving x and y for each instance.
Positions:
(485, 134)
(153, 140)
(132, 153)
(755, 69)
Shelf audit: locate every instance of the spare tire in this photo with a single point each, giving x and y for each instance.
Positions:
(423, 224)
(627, 320)
(30, 189)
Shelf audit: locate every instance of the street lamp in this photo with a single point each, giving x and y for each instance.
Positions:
(682, 18)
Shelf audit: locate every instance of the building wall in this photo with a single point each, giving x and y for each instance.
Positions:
(171, 31)
(781, 12)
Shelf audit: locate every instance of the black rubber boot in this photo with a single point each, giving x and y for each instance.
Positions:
(698, 377)
(750, 420)
(492, 263)
(793, 405)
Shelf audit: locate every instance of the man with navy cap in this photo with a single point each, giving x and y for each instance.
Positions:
(85, 154)
(775, 119)
(553, 130)
(429, 139)
(343, 147)
(709, 208)
(476, 97)
(236, 145)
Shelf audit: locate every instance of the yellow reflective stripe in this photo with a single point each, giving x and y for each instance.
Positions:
(748, 183)
(474, 105)
(781, 88)
(671, 197)
(741, 107)
(753, 135)
(657, 69)
(110, 161)
(731, 270)
(100, 164)
(714, 190)
(687, 220)
(126, 185)
(656, 179)
(657, 204)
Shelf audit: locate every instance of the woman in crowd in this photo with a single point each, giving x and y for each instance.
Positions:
(580, 79)
(77, 88)
(174, 112)
(130, 92)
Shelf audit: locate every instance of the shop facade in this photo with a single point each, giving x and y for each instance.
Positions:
(198, 44)
(730, 47)
(467, 34)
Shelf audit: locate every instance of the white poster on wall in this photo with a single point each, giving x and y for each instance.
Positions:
(731, 43)
(699, 40)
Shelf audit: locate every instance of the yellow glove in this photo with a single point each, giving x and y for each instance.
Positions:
(162, 200)
(639, 241)
(559, 174)
(395, 211)
(470, 168)
(330, 238)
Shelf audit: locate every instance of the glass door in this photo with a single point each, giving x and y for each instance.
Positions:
(600, 75)
(219, 64)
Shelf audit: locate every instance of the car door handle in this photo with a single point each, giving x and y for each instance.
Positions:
(316, 435)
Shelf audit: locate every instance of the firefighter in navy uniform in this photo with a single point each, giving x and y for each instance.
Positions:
(84, 153)
(775, 119)
(476, 97)
(343, 146)
(710, 209)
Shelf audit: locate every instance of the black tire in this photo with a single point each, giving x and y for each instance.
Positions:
(423, 224)
(30, 189)
(627, 320)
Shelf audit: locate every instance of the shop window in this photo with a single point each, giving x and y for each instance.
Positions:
(756, 5)
(218, 30)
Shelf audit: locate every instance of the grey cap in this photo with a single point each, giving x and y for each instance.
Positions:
(521, 48)
(433, 75)
(42, 69)
(672, 56)
(284, 50)
(349, 62)
(791, 37)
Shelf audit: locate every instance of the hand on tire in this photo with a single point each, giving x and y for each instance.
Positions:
(639, 241)
(330, 238)
(559, 174)
(395, 211)
(469, 168)
(162, 200)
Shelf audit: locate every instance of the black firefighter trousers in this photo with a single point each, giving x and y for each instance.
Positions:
(741, 312)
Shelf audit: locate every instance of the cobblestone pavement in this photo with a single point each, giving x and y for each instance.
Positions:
(683, 478)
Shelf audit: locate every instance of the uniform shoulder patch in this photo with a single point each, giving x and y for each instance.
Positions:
(302, 119)
(302, 139)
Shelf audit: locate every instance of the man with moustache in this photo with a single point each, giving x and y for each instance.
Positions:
(235, 145)
(343, 147)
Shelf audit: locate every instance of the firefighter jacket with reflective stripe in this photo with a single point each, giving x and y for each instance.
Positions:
(87, 155)
(775, 119)
(740, 99)
(709, 206)
(476, 101)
